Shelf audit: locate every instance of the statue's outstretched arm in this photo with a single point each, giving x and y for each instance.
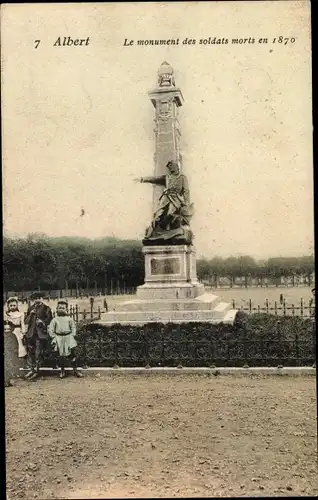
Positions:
(160, 181)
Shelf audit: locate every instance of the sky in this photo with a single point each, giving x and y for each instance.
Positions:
(77, 122)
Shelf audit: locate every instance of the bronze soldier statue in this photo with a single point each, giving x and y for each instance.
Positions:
(171, 220)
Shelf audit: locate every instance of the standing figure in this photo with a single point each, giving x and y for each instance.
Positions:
(14, 321)
(38, 317)
(62, 331)
(174, 211)
(105, 304)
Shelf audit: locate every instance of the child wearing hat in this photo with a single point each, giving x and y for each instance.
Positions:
(37, 319)
(14, 323)
(62, 331)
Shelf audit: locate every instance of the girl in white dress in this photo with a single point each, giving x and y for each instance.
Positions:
(14, 323)
(62, 331)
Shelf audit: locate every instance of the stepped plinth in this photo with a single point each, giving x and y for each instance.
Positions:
(171, 293)
(138, 312)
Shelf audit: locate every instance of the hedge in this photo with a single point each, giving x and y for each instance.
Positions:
(255, 340)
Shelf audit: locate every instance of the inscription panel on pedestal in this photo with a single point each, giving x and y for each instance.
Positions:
(167, 265)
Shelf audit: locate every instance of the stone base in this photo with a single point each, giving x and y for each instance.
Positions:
(222, 314)
(171, 293)
(206, 307)
(168, 292)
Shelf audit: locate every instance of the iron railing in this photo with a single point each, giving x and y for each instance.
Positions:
(279, 308)
(284, 309)
(85, 314)
(197, 345)
(81, 315)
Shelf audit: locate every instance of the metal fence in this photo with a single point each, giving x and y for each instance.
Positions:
(83, 315)
(284, 309)
(78, 315)
(196, 345)
(279, 308)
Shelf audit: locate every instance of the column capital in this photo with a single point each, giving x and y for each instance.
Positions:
(160, 93)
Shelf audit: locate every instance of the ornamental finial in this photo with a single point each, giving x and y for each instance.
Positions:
(165, 75)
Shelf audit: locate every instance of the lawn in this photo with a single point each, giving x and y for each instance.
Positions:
(292, 295)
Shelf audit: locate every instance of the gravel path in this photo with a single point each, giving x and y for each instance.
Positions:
(129, 436)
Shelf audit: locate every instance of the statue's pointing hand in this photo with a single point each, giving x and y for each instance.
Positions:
(137, 179)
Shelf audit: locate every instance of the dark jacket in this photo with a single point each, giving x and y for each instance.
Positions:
(37, 319)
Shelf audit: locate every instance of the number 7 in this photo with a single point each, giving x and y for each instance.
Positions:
(36, 43)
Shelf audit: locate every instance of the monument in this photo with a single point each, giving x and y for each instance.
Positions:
(171, 291)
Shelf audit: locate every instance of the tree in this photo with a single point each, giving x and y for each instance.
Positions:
(68, 262)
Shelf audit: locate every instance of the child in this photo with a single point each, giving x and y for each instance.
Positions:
(14, 322)
(62, 331)
(37, 319)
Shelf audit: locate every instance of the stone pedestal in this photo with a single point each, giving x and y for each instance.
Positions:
(170, 273)
(171, 292)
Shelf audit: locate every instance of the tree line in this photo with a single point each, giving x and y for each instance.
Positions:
(248, 268)
(47, 263)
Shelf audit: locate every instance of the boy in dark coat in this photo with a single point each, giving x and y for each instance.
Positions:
(38, 317)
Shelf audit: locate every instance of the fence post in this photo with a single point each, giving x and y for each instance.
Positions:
(314, 340)
(195, 345)
(100, 353)
(284, 307)
(275, 308)
(261, 346)
(84, 314)
(163, 345)
(266, 305)
(250, 305)
(99, 313)
(212, 349)
(244, 343)
(146, 347)
(233, 304)
(84, 348)
(301, 307)
(293, 310)
(116, 346)
(76, 313)
(309, 307)
(297, 348)
(279, 336)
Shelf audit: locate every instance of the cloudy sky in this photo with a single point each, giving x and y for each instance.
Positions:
(78, 123)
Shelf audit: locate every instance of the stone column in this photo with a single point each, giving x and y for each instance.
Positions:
(166, 98)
